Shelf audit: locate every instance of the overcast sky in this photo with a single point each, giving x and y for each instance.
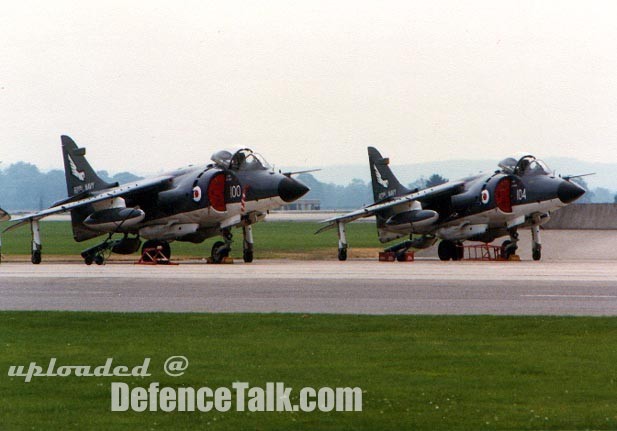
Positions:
(151, 85)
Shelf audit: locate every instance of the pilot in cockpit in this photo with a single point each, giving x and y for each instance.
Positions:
(238, 160)
(525, 165)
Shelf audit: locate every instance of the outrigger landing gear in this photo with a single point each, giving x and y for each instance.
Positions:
(247, 243)
(509, 246)
(536, 247)
(342, 242)
(220, 249)
(36, 242)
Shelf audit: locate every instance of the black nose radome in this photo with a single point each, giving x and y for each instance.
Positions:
(569, 192)
(291, 189)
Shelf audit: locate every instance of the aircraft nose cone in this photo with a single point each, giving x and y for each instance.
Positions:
(291, 189)
(569, 192)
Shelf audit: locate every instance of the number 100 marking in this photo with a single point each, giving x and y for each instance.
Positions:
(235, 191)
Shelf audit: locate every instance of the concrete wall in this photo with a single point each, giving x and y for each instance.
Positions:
(584, 216)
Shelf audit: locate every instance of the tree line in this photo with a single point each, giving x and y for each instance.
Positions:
(23, 187)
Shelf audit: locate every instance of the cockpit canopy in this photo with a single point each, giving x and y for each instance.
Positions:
(240, 159)
(524, 165)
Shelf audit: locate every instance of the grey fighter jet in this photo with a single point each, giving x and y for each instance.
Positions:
(520, 194)
(236, 190)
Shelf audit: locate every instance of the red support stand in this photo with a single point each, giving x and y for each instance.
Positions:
(154, 256)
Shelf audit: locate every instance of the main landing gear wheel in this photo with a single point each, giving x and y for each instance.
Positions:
(536, 253)
(152, 243)
(247, 256)
(36, 257)
(508, 249)
(400, 256)
(450, 250)
(444, 250)
(536, 244)
(342, 254)
(459, 252)
(219, 252)
(247, 243)
(98, 258)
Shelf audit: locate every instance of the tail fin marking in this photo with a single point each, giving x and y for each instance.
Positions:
(385, 183)
(80, 177)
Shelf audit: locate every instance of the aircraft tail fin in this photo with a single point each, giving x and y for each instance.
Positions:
(80, 177)
(4, 216)
(80, 181)
(385, 183)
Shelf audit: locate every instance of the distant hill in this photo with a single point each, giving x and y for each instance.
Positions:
(23, 187)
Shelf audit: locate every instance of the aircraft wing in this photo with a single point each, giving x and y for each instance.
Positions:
(124, 190)
(370, 210)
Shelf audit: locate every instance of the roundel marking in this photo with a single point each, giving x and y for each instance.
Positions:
(485, 196)
(196, 193)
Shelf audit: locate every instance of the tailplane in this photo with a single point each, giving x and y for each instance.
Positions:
(385, 183)
(80, 177)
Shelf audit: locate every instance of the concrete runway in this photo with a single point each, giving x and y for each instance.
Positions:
(357, 287)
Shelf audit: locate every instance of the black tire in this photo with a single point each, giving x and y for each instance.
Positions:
(166, 249)
(219, 252)
(446, 250)
(342, 254)
(458, 251)
(506, 249)
(36, 257)
(400, 256)
(536, 254)
(148, 244)
(89, 259)
(247, 255)
(99, 259)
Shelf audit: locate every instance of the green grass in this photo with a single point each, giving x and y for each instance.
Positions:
(271, 239)
(418, 372)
